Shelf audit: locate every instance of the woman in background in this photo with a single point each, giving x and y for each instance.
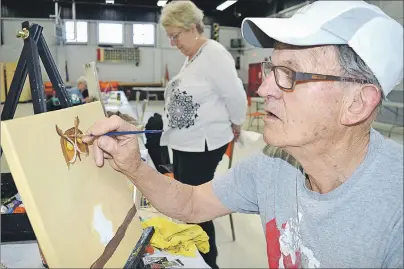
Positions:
(205, 103)
(81, 90)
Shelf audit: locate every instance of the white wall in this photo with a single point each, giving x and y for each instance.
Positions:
(152, 61)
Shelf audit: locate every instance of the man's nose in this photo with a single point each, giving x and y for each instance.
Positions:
(269, 87)
(173, 42)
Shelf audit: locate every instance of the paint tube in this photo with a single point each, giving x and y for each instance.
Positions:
(166, 264)
(148, 260)
(11, 205)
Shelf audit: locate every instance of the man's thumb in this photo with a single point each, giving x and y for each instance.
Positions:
(108, 144)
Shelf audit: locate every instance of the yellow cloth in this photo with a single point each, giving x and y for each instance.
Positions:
(177, 239)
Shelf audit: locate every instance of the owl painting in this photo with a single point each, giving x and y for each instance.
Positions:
(71, 143)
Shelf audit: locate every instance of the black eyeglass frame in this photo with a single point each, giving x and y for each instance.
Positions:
(304, 77)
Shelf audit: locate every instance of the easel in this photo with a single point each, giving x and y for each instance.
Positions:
(34, 47)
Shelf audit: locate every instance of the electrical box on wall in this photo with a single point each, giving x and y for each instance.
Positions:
(238, 62)
(215, 32)
(236, 43)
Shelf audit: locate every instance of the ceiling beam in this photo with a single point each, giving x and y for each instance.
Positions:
(154, 7)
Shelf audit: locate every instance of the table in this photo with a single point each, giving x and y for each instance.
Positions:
(123, 107)
(148, 90)
(126, 108)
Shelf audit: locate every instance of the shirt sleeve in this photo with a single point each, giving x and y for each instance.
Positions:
(237, 188)
(85, 93)
(223, 76)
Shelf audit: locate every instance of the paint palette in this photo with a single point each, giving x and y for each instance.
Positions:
(83, 216)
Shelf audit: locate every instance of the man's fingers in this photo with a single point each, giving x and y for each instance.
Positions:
(107, 156)
(113, 123)
(98, 155)
(108, 145)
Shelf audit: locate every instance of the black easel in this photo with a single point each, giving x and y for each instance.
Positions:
(34, 47)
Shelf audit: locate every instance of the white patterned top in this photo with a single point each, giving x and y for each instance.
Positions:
(203, 100)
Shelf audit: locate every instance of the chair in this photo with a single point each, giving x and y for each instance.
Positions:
(257, 115)
(249, 103)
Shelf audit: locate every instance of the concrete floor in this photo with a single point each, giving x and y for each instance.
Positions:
(249, 248)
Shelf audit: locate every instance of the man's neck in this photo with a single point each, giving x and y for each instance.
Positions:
(330, 163)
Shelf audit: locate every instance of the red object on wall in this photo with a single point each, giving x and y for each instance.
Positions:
(254, 78)
(167, 75)
(100, 54)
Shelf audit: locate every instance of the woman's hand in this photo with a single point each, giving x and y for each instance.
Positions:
(236, 131)
(122, 152)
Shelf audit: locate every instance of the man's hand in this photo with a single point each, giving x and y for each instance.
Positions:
(236, 131)
(122, 151)
(170, 197)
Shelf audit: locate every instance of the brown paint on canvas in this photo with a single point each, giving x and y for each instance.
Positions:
(115, 241)
(71, 143)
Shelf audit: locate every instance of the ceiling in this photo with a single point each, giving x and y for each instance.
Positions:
(143, 10)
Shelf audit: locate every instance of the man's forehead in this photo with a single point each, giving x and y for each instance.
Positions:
(300, 58)
(286, 58)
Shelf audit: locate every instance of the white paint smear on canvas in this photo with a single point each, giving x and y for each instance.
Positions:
(102, 225)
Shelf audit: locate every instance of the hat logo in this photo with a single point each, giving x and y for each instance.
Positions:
(318, 77)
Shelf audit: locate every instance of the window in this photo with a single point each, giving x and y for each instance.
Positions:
(110, 33)
(78, 36)
(143, 34)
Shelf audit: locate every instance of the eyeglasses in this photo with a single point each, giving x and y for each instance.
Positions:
(173, 37)
(287, 78)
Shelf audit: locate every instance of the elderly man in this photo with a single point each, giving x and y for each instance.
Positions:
(329, 189)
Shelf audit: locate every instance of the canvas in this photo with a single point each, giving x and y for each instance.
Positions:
(78, 211)
(93, 86)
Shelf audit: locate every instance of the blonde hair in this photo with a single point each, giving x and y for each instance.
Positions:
(82, 80)
(182, 14)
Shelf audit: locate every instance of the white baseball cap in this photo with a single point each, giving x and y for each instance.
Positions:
(374, 36)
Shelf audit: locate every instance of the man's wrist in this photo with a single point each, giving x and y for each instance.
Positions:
(138, 170)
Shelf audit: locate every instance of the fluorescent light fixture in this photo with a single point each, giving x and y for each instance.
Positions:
(225, 5)
(162, 3)
(109, 1)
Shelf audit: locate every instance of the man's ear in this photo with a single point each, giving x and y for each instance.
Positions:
(361, 104)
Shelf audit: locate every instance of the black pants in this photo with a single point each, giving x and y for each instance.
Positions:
(196, 168)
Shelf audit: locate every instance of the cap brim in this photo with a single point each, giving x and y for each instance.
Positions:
(265, 32)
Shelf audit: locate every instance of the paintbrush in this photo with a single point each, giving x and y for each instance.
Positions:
(124, 133)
